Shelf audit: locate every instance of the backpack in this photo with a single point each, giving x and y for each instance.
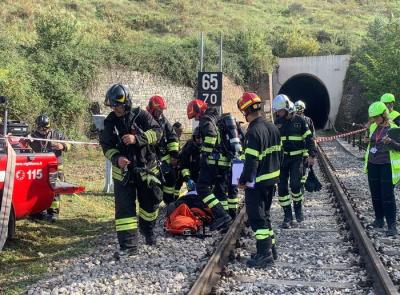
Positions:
(312, 183)
(187, 216)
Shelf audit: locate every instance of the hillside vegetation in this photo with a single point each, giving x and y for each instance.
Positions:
(51, 50)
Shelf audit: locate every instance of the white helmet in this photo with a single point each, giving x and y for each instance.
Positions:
(292, 107)
(300, 106)
(280, 102)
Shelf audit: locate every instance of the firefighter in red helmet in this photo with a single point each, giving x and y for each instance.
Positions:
(213, 163)
(260, 174)
(167, 149)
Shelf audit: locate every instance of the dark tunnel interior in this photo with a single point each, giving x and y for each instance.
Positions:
(313, 93)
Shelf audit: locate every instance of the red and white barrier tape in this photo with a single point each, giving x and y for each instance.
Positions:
(17, 138)
(330, 138)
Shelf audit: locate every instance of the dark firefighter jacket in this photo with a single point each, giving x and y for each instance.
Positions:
(310, 124)
(296, 136)
(189, 160)
(168, 147)
(211, 150)
(46, 146)
(263, 153)
(141, 154)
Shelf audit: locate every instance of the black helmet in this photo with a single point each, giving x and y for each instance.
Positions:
(118, 94)
(43, 121)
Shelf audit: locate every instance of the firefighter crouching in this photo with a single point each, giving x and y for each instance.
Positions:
(263, 156)
(128, 142)
(43, 130)
(296, 139)
(167, 149)
(189, 163)
(213, 164)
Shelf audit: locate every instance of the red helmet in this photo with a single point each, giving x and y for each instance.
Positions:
(249, 102)
(196, 108)
(156, 102)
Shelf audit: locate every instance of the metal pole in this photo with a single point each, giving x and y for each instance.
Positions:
(201, 51)
(220, 53)
(5, 120)
(220, 68)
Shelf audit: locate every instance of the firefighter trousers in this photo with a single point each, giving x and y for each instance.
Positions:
(291, 172)
(54, 209)
(168, 187)
(211, 185)
(258, 205)
(148, 195)
(233, 193)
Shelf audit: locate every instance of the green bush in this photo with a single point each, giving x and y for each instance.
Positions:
(293, 42)
(62, 66)
(377, 63)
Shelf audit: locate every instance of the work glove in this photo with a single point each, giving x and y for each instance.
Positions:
(191, 185)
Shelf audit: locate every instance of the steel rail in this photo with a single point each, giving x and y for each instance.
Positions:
(211, 273)
(381, 280)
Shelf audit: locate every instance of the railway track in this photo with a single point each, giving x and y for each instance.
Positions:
(329, 253)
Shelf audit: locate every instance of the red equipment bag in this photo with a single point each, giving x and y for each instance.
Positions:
(187, 216)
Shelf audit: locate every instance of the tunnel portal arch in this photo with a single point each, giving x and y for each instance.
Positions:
(313, 92)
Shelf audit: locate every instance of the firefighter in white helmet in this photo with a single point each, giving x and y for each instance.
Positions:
(296, 138)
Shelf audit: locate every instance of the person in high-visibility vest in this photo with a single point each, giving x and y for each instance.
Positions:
(382, 163)
(388, 99)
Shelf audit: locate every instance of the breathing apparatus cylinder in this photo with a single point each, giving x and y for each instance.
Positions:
(229, 134)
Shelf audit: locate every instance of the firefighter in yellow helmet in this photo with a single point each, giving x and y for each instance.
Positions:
(260, 174)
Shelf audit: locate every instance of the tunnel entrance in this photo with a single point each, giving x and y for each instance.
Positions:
(314, 94)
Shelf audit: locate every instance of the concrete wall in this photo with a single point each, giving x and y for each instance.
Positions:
(144, 85)
(330, 70)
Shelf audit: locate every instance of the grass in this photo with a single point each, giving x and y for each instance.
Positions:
(83, 218)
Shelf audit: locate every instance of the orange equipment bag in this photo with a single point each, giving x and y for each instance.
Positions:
(185, 220)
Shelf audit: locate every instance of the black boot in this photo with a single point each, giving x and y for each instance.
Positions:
(274, 252)
(232, 213)
(221, 218)
(288, 218)
(392, 230)
(146, 229)
(263, 258)
(52, 215)
(128, 244)
(298, 211)
(378, 223)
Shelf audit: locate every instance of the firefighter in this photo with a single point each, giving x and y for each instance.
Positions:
(263, 155)
(189, 162)
(213, 163)
(167, 149)
(128, 141)
(43, 130)
(178, 129)
(388, 99)
(300, 107)
(296, 139)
